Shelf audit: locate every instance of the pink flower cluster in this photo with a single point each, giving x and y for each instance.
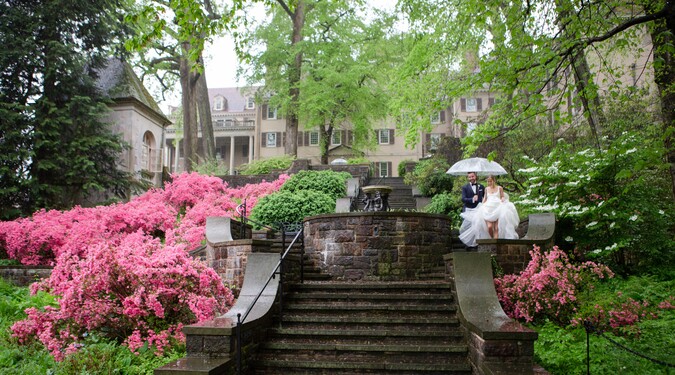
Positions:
(621, 317)
(124, 271)
(548, 287)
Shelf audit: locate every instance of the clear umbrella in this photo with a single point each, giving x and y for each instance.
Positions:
(481, 166)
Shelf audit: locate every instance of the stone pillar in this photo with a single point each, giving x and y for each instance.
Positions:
(250, 149)
(231, 154)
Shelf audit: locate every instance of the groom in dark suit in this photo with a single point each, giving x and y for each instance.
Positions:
(472, 192)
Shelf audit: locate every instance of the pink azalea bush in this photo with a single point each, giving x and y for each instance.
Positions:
(548, 287)
(621, 316)
(123, 271)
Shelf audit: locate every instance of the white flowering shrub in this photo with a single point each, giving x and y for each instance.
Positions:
(614, 204)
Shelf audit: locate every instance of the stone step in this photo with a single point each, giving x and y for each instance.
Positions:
(293, 367)
(373, 308)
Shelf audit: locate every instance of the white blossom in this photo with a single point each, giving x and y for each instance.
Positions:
(633, 218)
(591, 224)
(569, 239)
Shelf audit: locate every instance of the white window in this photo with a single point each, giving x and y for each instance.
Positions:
(313, 138)
(271, 140)
(250, 123)
(250, 102)
(383, 169)
(219, 103)
(470, 126)
(220, 123)
(436, 118)
(271, 113)
(471, 105)
(336, 138)
(434, 141)
(383, 137)
(229, 122)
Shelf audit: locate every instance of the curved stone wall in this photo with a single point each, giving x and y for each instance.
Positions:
(378, 245)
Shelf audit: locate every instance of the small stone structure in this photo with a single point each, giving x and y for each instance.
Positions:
(514, 255)
(497, 343)
(377, 245)
(227, 256)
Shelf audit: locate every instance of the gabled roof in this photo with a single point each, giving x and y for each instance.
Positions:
(118, 81)
(236, 101)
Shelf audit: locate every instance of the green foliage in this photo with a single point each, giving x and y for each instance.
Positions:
(291, 206)
(446, 203)
(211, 167)
(617, 200)
(340, 72)
(265, 166)
(562, 350)
(358, 160)
(401, 167)
(430, 177)
(97, 356)
(56, 146)
(334, 184)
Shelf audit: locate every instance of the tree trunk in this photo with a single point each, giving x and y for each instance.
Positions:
(294, 76)
(588, 95)
(190, 133)
(326, 132)
(205, 121)
(663, 38)
(583, 77)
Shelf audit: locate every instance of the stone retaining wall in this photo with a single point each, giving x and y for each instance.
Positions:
(228, 258)
(377, 245)
(24, 275)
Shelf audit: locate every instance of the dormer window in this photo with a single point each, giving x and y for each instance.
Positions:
(250, 102)
(218, 103)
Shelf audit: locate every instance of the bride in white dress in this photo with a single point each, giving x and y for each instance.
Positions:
(495, 217)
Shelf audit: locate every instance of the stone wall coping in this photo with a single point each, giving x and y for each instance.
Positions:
(479, 307)
(242, 242)
(505, 241)
(392, 214)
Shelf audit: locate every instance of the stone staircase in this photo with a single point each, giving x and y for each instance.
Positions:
(365, 328)
(401, 197)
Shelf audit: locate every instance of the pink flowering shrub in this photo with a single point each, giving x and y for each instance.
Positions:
(548, 287)
(123, 271)
(621, 316)
(130, 288)
(176, 213)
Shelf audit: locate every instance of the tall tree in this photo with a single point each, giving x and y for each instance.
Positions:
(171, 36)
(338, 83)
(528, 50)
(58, 148)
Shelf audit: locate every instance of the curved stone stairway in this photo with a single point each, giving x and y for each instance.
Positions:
(365, 328)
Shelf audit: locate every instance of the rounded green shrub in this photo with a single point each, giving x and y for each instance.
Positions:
(291, 206)
(334, 184)
(430, 177)
(265, 166)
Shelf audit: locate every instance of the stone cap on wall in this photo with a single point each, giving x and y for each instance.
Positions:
(478, 303)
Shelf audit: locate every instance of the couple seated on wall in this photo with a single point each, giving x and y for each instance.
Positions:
(487, 212)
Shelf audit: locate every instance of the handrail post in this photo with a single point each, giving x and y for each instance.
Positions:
(302, 256)
(281, 284)
(238, 343)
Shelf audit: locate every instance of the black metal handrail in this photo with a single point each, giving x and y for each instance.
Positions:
(277, 270)
(241, 210)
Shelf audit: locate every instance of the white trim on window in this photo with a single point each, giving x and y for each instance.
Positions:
(383, 137)
(336, 138)
(383, 168)
(218, 103)
(434, 141)
(313, 138)
(471, 105)
(271, 113)
(436, 117)
(250, 102)
(271, 139)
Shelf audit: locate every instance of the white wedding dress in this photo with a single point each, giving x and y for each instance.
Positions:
(474, 226)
